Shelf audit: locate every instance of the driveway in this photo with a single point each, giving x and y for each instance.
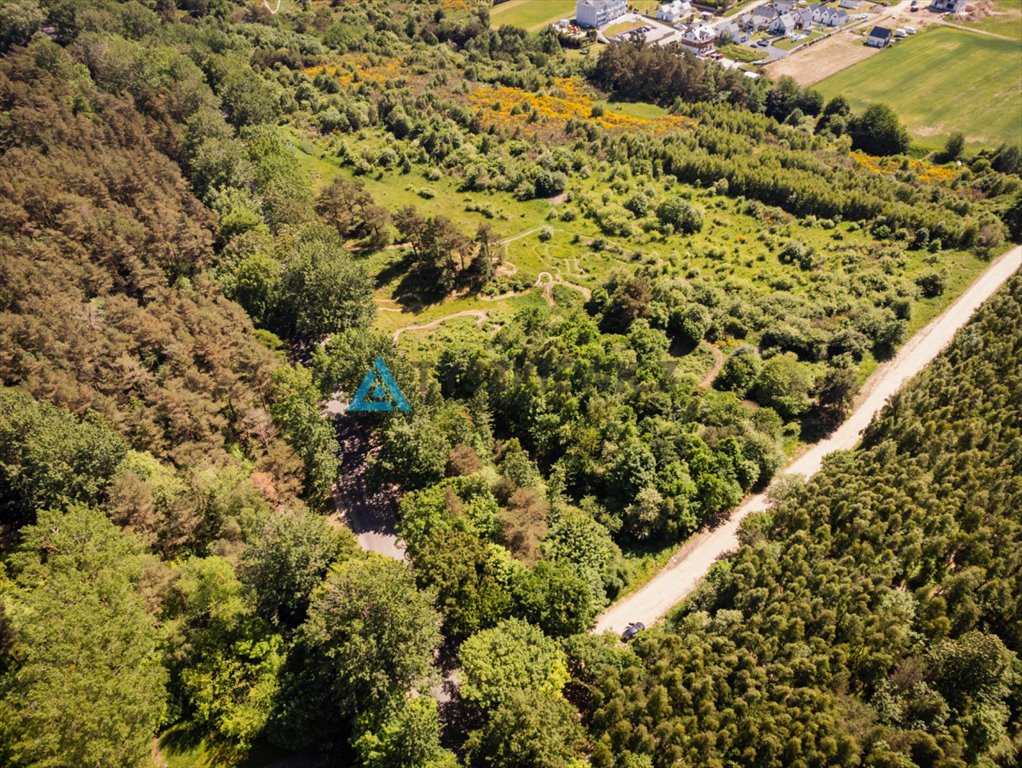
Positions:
(687, 568)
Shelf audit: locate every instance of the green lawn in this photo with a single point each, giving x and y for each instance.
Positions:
(742, 52)
(621, 27)
(532, 15)
(941, 81)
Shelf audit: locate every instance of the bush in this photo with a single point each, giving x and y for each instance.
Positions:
(680, 214)
(878, 131)
(783, 384)
(549, 184)
(740, 371)
(932, 284)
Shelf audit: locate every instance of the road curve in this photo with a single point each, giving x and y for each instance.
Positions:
(684, 571)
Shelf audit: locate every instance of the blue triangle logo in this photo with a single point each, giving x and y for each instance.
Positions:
(378, 391)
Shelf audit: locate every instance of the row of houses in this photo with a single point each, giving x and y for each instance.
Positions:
(674, 12)
(782, 17)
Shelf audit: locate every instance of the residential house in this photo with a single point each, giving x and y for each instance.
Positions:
(948, 6)
(784, 6)
(730, 32)
(782, 25)
(879, 37)
(597, 13)
(832, 17)
(849, 5)
(698, 40)
(673, 12)
(803, 18)
(762, 16)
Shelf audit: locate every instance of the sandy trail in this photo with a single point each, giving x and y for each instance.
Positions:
(548, 287)
(688, 566)
(479, 314)
(718, 363)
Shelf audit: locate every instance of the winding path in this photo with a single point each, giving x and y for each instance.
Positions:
(718, 363)
(548, 287)
(479, 314)
(688, 566)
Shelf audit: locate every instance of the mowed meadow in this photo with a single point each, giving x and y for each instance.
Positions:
(941, 81)
(531, 14)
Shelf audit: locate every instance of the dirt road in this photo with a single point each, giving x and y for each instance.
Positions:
(684, 571)
(370, 516)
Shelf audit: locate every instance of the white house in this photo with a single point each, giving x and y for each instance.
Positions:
(879, 37)
(803, 18)
(698, 40)
(730, 32)
(597, 13)
(762, 17)
(832, 17)
(672, 12)
(782, 25)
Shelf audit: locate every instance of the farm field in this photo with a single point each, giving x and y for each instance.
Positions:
(531, 14)
(977, 94)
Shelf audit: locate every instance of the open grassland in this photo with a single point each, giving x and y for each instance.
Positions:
(531, 14)
(942, 81)
(1005, 19)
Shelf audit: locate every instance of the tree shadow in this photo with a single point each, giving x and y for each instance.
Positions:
(817, 424)
(421, 286)
(180, 739)
(394, 270)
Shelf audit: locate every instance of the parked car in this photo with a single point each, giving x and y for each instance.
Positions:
(915, 6)
(910, 30)
(900, 33)
(632, 630)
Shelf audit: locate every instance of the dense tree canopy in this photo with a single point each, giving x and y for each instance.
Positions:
(89, 686)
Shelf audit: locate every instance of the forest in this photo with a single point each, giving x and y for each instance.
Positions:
(215, 216)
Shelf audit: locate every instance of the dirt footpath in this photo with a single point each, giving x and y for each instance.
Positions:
(845, 48)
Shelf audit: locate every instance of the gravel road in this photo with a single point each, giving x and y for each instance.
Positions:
(684, 571)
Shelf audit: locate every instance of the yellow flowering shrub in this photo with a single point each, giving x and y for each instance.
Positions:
(568, 99)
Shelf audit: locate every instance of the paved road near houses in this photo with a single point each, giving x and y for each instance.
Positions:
(684, 571)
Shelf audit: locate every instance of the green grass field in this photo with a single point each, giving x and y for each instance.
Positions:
(941, 81)
(1006, 20)
(532, 15)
